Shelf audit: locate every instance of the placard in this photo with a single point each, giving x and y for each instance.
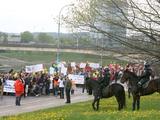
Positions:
(78, 79)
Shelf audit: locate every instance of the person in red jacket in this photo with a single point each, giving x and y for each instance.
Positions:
(19, 90)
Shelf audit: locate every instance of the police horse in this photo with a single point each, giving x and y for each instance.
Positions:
(114, 89)
(133, 79)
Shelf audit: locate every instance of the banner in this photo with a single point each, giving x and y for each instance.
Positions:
(64, 70)
(51, 70)
(34, 68)
(78, 79)
(73, 64)
(9, 86)
(82, 65)
(94, 65)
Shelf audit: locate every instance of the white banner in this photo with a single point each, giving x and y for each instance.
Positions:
(9, 86)
(82, 65)
(64, 70)
(34, 68)
(78, 79)
(73, 64)
(94, 65)
(51, 70)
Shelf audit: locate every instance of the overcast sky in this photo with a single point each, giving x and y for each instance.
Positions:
(31, 15)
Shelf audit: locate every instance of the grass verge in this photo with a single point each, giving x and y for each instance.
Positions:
(150, 110)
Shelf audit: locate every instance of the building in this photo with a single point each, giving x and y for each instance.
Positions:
(106, 21)
(14, 38)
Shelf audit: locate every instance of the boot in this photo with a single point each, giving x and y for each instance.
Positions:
(139, 84)
(139, 88)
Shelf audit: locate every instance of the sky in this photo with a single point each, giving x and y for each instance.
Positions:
(31, 15)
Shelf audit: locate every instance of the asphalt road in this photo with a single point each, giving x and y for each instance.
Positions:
(29, 104)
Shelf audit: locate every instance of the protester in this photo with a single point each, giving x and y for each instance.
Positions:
(19, 89)
(39, 82)
(61, 87)
(68, 86)
(55, 85)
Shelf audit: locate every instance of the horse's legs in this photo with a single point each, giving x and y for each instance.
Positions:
(129, 92)
(90, 91)
(119, 101)
(96, 101)
(138, 102)
(119, 106)
(134, 103)
(93, 104)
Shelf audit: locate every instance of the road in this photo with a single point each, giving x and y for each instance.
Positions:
(29, 104)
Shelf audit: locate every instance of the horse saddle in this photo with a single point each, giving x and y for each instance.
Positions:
(106, 91)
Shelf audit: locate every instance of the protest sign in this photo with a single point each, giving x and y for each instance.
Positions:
(94, 65)
(34, 68)
(9, 86)
(82, 65)
(73, 64)
(78, 79)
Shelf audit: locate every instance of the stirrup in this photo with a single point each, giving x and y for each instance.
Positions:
(139, 84)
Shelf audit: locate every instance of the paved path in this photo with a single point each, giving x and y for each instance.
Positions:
(28, 104)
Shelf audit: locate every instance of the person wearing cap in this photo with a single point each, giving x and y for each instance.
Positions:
(145, 77)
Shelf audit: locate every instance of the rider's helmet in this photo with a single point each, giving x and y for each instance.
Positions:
(146, 65)
(106, 69)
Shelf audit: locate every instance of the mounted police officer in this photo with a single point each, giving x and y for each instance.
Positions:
(105, 80)
(145, 75)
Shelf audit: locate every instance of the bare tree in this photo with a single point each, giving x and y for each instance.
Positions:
(140, 21)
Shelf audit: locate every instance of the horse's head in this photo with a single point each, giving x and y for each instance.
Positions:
(128, 75)
(125, 76)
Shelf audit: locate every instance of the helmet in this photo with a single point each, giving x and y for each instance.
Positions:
(147, 65)
(106, 69)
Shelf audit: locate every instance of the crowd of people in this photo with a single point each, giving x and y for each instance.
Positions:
(57, 83)
(44, 83)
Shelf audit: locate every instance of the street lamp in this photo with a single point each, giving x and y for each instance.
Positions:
(102, 52)
(59, 25)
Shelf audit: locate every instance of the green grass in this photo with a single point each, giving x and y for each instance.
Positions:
(49, 57)
(150, 110)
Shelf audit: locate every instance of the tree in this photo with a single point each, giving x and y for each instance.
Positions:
(139, 21)
(26, 37)
(5, 38)
(45, 38)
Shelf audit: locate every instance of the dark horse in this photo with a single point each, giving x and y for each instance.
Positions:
(153, 86)
(114, 89)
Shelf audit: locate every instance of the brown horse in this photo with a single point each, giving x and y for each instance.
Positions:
(153, 86)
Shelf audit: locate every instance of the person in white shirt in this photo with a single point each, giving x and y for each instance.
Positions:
(61, 87)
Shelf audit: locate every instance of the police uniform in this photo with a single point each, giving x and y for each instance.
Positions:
(145, 76)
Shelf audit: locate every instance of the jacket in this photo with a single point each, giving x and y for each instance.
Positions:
(19, 87)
